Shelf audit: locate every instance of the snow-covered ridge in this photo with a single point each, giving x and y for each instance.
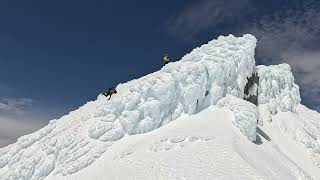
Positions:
(188, 86)
(200, 79)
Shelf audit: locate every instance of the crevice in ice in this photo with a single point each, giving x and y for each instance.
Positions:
(251, 89)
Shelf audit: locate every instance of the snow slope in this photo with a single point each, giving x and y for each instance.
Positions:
(201, 146)
(80, 144)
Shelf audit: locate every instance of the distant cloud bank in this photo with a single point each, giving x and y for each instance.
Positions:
(12, 129)
(17, 119)
(15, 105)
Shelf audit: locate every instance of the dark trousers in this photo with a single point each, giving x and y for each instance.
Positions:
(107, 94)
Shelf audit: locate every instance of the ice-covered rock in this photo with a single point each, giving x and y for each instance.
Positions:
(74, 141)
(245, 115)
(277, 88)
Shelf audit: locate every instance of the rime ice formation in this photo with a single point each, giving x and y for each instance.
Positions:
(245, 115)
(278, 97)
(277, 88)
(215, 72)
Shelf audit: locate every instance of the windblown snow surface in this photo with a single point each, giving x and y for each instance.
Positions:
(185, 121)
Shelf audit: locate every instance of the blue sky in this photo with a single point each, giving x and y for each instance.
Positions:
(57, 55)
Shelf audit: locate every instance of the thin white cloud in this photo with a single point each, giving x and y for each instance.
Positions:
(204, 14)
(293, 37)
(287, 31)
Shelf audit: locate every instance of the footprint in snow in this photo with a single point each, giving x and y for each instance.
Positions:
(165, 143)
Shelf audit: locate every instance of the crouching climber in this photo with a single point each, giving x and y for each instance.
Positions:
(165, 59)
(110, 92)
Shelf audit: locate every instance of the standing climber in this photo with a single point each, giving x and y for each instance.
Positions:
(110, 92)
(165, 59)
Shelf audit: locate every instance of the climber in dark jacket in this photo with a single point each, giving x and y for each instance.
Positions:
(110, 92)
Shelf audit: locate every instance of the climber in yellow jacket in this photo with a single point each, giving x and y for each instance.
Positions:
(165, 59)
